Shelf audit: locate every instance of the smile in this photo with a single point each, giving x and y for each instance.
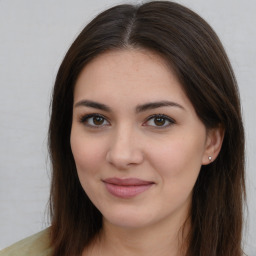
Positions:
(126, 188)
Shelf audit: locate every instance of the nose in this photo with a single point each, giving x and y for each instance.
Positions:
(125, 149)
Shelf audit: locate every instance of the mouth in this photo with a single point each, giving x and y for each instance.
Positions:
(126, 188)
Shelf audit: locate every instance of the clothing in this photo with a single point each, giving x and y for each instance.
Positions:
(35, 245)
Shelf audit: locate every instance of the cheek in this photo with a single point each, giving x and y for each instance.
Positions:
(88, 153)
(178, 166)
(179, 161)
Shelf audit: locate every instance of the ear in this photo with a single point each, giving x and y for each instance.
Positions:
(213, 144)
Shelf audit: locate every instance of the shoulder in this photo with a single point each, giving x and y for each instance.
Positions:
(35, 245)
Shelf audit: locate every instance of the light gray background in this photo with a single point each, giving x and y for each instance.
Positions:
(34, 36)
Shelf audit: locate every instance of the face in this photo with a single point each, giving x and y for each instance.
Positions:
(137, 142)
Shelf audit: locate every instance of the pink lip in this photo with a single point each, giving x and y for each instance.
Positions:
(126, 188)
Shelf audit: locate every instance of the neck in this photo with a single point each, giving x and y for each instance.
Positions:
(160, 239)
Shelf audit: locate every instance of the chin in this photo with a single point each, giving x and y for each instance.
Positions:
(129, 218)
(128, 223)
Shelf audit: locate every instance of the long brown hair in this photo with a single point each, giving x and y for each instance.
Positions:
(193, 49)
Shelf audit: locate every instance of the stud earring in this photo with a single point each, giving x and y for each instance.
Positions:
(210, 158)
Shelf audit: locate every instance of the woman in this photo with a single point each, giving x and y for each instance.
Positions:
(146, 140)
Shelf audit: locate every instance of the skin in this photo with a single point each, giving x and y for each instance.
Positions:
(127, 142)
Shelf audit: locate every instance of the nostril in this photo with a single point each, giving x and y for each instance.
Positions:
(123, 159)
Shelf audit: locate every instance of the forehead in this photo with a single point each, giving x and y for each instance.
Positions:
(127, 62)
(129, 74)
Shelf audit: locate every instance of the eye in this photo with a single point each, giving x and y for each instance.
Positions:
(94, 120)
(159, 120)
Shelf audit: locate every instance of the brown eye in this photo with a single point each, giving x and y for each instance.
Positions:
(94, 121)
(98, 120)
(159, 121)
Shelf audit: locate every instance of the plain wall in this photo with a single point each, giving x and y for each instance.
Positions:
(34, 36)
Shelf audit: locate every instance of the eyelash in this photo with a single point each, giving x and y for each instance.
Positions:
(84, 119)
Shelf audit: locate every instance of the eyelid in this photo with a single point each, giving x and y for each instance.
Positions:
(84, 118)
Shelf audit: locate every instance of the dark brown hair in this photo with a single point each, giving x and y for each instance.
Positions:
(193, 49)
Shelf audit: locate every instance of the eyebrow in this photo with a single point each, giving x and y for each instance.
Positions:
(158, 104)
(93, 104)
(139, 108)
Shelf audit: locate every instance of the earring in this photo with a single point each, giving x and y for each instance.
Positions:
(210, 158)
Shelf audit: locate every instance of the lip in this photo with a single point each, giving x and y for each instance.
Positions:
(126, 188)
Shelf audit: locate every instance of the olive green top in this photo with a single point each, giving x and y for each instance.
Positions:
(35, 245)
